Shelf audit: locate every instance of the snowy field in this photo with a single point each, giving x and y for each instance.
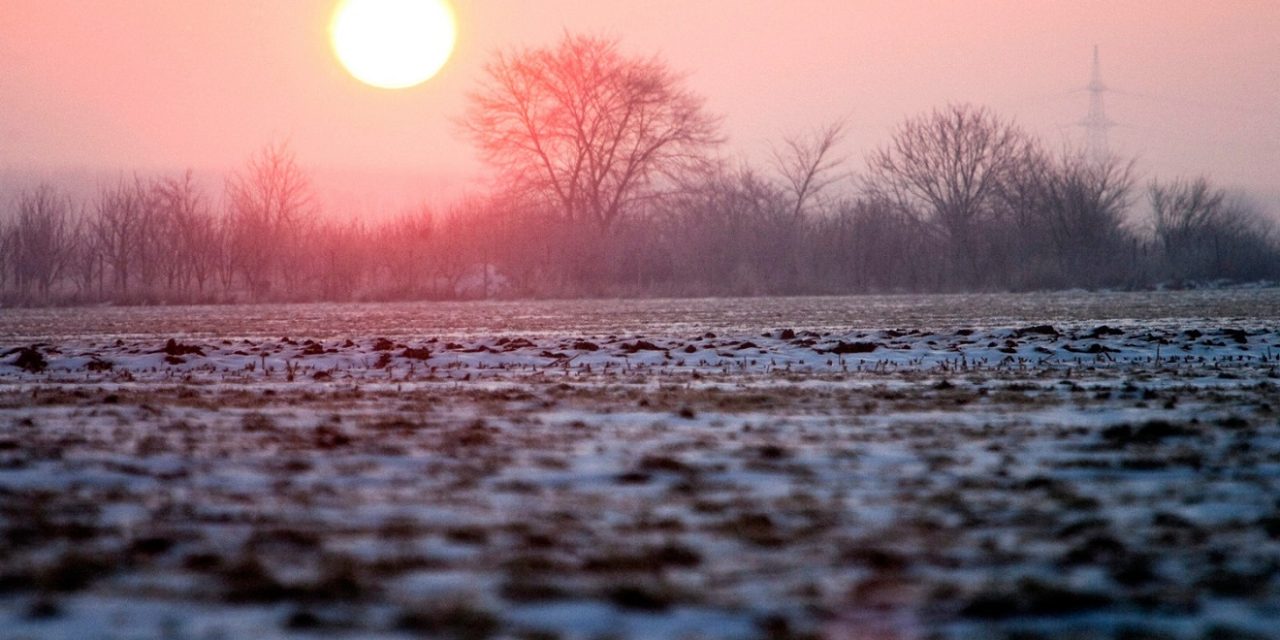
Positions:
(957, 467)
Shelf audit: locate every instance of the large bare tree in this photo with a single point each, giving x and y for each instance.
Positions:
(586, 127)
(948, 166)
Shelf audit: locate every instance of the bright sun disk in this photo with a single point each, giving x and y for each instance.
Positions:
(393, 44)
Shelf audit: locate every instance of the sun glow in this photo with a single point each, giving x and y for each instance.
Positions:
(393, 44)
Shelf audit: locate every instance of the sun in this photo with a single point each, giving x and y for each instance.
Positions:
(393, 44)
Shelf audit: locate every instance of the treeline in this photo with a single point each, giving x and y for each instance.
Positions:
(728, 231)
(610, 185)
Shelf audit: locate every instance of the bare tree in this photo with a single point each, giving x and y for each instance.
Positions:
(587, 127)
(1081, 215)
(1182, 210)
(404, 251)
(187, 253)
(872, 245)
(948, 166)
(41, 243)
(117, 228)
(155, 243)
(1182, 214)
(806, 164)
(8, 252)
(85, 261)
(1204, 231)
(733, 231)
(521, 241)
(225, 263)
(455, 250)
(201, 239)
(1244, 243)
(342, 252)
(271, 202)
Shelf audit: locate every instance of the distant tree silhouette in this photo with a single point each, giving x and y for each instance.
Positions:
(40, 245)
(84, 261)
(271, 203)
(1074, 210)
(586, 127)
(118, 228)
(807, 165)
(1203, 231)
(187, 249)
(947, 166)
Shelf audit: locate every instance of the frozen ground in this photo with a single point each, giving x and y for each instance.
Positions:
(966, 467)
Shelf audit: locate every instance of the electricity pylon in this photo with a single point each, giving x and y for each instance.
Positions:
(1096, 123)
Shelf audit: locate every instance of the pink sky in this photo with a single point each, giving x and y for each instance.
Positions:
(165, 84)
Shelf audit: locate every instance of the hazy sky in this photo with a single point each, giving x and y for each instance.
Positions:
(166, 84)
